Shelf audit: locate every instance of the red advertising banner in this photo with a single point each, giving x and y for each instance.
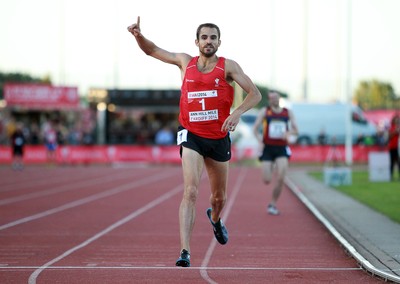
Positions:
(40, 96)
(170, 154)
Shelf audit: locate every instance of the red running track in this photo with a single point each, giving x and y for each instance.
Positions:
(120, 225)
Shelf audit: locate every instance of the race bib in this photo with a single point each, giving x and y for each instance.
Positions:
(181, 137)
(203, 106)
(203, 115)
(277, 129)
(288, 151)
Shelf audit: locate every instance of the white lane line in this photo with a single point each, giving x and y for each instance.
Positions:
(88, 199)
(38, 181)
(175, 267)
(150, 205)
(76, 185)
(231, 201)
(49, 178)
(352, 250)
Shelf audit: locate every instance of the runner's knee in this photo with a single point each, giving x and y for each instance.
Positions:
(190, 193)
(218, 199)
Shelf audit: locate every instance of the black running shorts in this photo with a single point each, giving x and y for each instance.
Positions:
(216, 149)
(18, 151)
(271, 152)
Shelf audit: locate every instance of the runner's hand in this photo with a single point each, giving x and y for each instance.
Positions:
(135, 28)
(230, 123)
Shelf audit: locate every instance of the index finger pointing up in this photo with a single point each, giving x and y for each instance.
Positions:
(138, 22)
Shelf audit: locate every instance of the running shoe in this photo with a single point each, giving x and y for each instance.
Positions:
(184, 259)
(272, 210)
(220, 231)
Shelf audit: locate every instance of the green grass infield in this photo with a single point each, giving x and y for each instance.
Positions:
(383, 197)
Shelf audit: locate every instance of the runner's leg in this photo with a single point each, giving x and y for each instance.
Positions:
(192, 166)
(218, 175)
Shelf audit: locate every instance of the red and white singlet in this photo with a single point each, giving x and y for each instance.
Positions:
(206, 100)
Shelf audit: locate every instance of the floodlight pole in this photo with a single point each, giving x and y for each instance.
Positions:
(273, 46)
(305, 52)
(62, 44)
(349, 139)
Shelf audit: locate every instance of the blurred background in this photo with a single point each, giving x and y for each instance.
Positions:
(71, 66)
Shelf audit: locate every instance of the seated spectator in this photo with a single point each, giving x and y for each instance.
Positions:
(164, 136)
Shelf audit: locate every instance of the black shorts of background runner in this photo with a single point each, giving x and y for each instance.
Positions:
(271, 152)
(216, 149)
(18, 151)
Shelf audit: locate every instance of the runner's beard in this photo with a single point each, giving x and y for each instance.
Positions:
(209, 54)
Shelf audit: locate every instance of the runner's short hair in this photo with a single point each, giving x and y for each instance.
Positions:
(208, 25)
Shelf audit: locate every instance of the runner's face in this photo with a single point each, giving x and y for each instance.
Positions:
(208, 41)
(274, 100)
